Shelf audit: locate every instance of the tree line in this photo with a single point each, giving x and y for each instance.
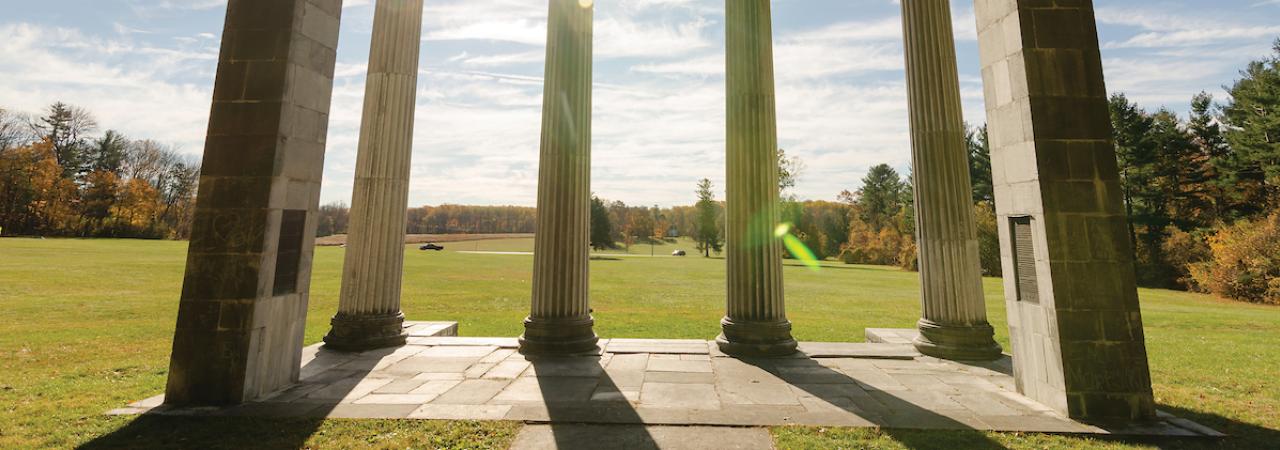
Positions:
(1202, 193)
(59, 178)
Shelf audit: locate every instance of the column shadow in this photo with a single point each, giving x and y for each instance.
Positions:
(585, 412)
(910, 424)
(285, 419)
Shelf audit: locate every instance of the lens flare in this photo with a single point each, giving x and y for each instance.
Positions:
(585, 3)
(796, 247)
(781, 230)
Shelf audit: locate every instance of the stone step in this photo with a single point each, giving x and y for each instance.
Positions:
(903, 336)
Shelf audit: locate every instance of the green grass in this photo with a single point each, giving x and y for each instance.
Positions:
(85, 326)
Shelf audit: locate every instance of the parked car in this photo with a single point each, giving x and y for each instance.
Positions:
(430, 246)
(678, 253)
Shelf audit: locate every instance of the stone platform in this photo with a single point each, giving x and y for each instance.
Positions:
(664, 382)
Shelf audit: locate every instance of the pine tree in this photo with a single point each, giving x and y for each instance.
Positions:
(108, 153)
(707, 234)
(978, 142)
(881, 196)
(601, 227)
(66, 128)
(1252, 119)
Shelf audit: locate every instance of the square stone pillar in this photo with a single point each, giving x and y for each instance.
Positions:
(1070, 289)
(244, 296)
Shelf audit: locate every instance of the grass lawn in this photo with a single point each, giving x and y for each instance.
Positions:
(85, 326)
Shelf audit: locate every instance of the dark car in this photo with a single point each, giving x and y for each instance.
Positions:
(431, 247)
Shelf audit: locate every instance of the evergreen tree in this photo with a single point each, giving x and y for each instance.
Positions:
(1161, 171)
(979, 144)
(1130, 126)
(1220, 185)
(707, 233)
(108, 153)
(66, 128)
(1252, 119)
(881, 196)
(601, 227)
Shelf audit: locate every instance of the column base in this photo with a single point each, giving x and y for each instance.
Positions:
(551, 337)
(355, 333)
(960, 343)
(756, 339)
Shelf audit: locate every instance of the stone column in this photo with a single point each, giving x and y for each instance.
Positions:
(244, 295)
(953, 324)
(1074, 320)
(560, 321)
(756, 323)
(369, 313)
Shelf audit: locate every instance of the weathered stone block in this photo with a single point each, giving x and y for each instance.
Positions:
(247, 44)
(235, 338)
(1080, 348)
(227, 155)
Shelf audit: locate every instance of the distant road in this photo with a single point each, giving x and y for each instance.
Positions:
(340, 239)
(593, 255)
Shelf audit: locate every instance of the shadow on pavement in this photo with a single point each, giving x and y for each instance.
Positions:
(569, 404)
(280, 420)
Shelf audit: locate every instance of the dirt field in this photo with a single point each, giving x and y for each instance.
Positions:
(341, 239)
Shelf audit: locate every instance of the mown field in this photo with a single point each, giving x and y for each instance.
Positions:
(85, 326)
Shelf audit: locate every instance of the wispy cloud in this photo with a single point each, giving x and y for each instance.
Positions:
(659, 107)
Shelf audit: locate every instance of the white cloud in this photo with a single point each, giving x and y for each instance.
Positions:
(127, 86)
(659, 99)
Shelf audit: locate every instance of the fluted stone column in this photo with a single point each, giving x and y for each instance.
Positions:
(560, 321)
(369, 313)
(953, 323)
(756, 323)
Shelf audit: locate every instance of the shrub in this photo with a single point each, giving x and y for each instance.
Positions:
(1245, 262)
(988, 239)
(1182, 250)
(887, 247)
(908, 255)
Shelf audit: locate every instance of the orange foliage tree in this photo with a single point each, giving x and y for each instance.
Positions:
(1244, 262)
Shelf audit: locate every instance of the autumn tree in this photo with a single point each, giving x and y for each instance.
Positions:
(97, 197)
(640, 224)
(34, 196)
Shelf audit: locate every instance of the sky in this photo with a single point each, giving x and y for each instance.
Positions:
(146, 68)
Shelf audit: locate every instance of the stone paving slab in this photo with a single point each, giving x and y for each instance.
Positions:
(858, 350)
(661, 382)
(538, 437)
(658, 346)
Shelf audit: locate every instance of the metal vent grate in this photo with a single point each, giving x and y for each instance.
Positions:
(1024, 259)
(289, 251)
